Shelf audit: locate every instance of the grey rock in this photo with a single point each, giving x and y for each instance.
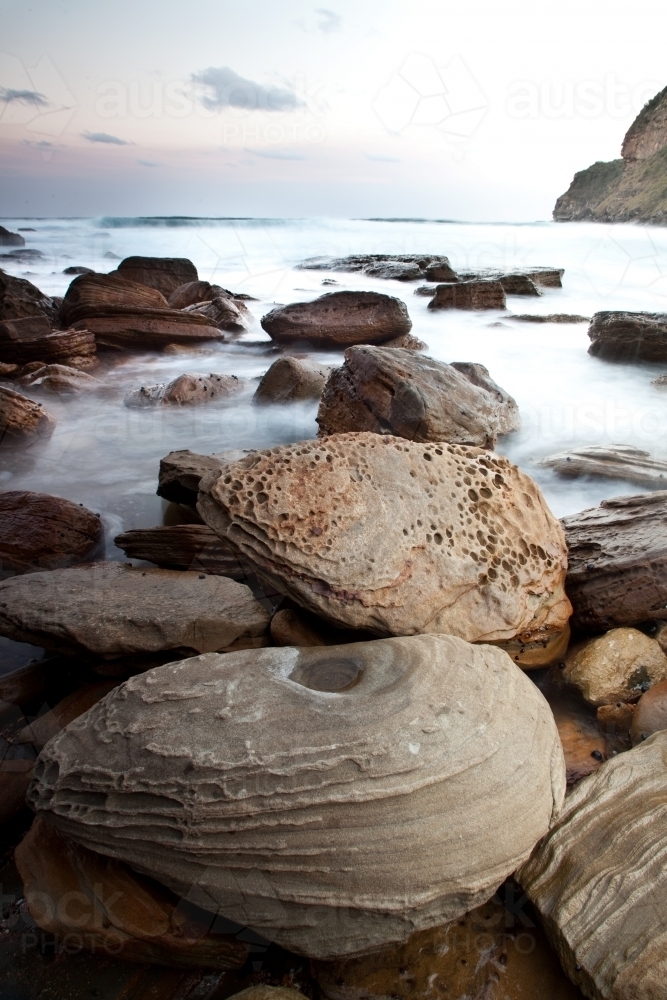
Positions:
(614, 461)
(628, 336)
(483, 294)
(340, 319)
(290, 379)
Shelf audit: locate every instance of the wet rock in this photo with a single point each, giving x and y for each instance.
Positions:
(182, 471)
(22, 421)
(23, 686)
(390, 391)
(182, 546)
(597, 879)
(23, 341)
(650, 715)
(293, 628)
(75, 269)
(300, 739)
(373, 531)
(403, 267)
(187, 390)
(617, 666)
(660, 381)
(628, 336)
(114, 610)
(538, 653)
(61, 379)
(220, 312)
(547, 277)
(339, 319)
(407, 342)
(551, 318)
(518, 284)
(484, 294)
(40, 531)
(584, 743)
(75, 894)
(615, 722)
(617, 555)
(9, 371)
(20, 298)
(291, 379)
(508, 411)
(9, 239)
(46, 726)
(164, 273)
(614, 461)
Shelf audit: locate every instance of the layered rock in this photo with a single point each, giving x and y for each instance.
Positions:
(626, 336)
(61, 379)
(23, 341)
(395, 536)
(650, 715)
(40, 531)
(617, 666)
(220, 312)
(20, 298)
(164, 273)
(483, 294)
(22, 421)
(181, 546)
(339, 319)
(114, 610)
(186, 390)
(617, 554)
(545, 277)
(355, 757)
(289, 379)
(613, 461)
(402, 267)
(78, 895)
(182, 471)
(597, 879)
(391, 391)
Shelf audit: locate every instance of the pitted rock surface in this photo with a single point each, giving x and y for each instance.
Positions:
(316, 794)
(398, 537)
(187, 390)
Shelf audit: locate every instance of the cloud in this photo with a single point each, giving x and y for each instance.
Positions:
(149, 163)
(39, 144)
(32, 97)
(226, 89)
(112, 140)
(276, 154)
(330, 21)
(382, 159)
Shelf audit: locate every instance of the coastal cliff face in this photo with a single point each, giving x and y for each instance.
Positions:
(632, 189)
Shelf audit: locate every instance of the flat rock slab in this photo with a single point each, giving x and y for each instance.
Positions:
(40, 531)
(390, 391)
(617, 555)
(182, 471)
(339, 319)
(550, 318)
(615, 461)
(340, 771)
(61, 379)
(373, 531)
(187, 390)
(164, 273)
(598, 878)
(289, 379)
(182, 546)
(19, 298)
(483, 294)
(23, 341)
(401, 267)
(628, 336)
(114, 610)
(547, 277)
(22, 421)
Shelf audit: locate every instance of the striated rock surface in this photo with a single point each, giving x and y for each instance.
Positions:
(598, 879)
(613, 461)
(617, 666)
(396, 536)
(220, 311)
(182, 546)
(546, 277)
(20, 298)
(79, 896)
(182, 471)
(626, 336)
(343, 768)
(390, 391)
(402, 267)
(22, 421)
(164, 273)
(482, 294)
(40, 531)
(114, 610)
(617, 555)
(650, 715)
(23, 341)
(61, 379)
(340, 319)
(186, 390)
(290, 379)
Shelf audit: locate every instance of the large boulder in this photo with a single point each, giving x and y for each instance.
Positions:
(289, 379)
(20, 298)
(396, 536)
(401, 267)
(617, 555)
(315, 794)
(485, 293)
(23, 341)
(613, 461)
(186, 390)
(339, 319)
(164, 273)
(22, 421)
(113, 610)
(598, 878)
(40, 531)
(617, 666)
(181, 546)
(390, 391)
(628, 336)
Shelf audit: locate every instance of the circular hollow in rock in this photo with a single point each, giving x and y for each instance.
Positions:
(337, 673)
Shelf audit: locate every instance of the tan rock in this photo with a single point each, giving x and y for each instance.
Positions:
(407, 342)
(615, 461)
(192, 292)
(482, 294)
(182, 471)
(617, 666)
(597, 879)
(340, 319)
(182, 546)
(22, 421)
(219, 311)
(540, 652)
(61, 378)
(40, 531)
(103, 906)
(31, 339)
(19, 298)
(315, 794)
(291, 379)
(398, 537)
(291, 628)
(650, 715)
(187, 390)
(9, 371)
(166, 274)
(113, 610)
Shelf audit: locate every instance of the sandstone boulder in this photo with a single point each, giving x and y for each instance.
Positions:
(339, 319)
(80, 896)
(628, 336)
(617, 666)
(483, 294)
(221, 312)
(19, 298)
(22, 421)
(598, 882)
(186, 390)
(650, 715)
(340, 829)
(114, 610)
(30, 339)
(40, 531)
(373, 531)
(182, 471)
(614, 461)
(164, 273)
(390, 391)
(402, 267)
(290, 379)
(61, 379)
(182, 546)
(617, 555)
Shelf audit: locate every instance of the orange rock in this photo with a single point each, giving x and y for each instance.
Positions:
(650, 713)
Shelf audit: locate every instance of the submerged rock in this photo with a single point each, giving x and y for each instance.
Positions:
(617, 666)
(22, 421)
(40, 531)
(290, 379)
(551, 318)
(403, 267)
(390, 391)
(483, 294)
(597, 878)
(396, 536)
(61, 378)
(114, 610)
(340, 829)
(164, 273)
(628, 336)
(650, 715)
(186, 390)
(23, 341)
(20, 298)
(614, 461)
(182, 546)
(339, 319)
(9, 239)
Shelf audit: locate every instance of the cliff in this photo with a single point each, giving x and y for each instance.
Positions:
(632, 189)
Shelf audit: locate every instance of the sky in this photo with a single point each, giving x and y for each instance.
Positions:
(478, 111)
